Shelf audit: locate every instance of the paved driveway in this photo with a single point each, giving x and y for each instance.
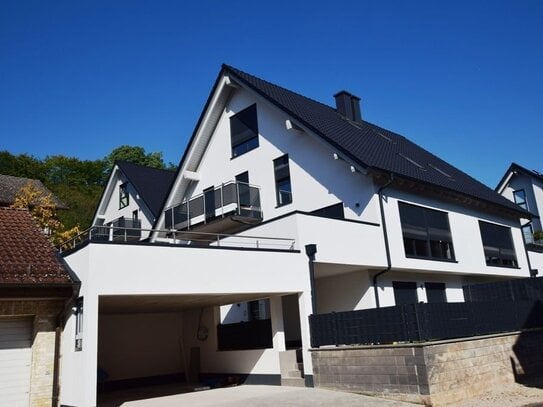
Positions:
(265, 396)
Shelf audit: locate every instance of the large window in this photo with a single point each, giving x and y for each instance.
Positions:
(123, 196)
(244, 131)
(498, 245)
(283, 189)
(520, 198)
(426, 233)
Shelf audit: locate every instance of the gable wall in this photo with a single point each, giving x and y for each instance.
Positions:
(534, 194)
(110, 211)
(317, 179)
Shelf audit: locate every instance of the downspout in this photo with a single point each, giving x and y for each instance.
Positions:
(310, 251)
(385, 236)
(533, 272)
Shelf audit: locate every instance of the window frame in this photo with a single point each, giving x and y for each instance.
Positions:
(250, 143)
(281, 179)
(524, 203)
(428, 241)
(509, 233)
(78, 334)
(123, 193)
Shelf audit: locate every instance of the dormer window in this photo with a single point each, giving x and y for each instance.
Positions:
(123, 196)
(244, 131)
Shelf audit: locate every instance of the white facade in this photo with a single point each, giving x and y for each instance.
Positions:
(175, 290)
(109, 208)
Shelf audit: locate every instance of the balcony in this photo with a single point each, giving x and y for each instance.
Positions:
(230, 208)
(121, 229)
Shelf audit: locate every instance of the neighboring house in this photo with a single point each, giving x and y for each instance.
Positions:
(525, 188)
(35, 290)
(297, 208)
(10, 187)
(132, 199)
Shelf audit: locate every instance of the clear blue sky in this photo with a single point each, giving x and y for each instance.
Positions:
(464, 79)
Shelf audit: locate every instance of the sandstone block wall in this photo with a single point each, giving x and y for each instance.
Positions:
(434, 373)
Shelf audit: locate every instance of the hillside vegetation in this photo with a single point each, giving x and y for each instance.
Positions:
(77, 183)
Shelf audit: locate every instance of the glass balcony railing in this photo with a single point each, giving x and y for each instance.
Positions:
(231, 199)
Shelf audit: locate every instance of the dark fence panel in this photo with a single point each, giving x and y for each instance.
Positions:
(245, 335)
(510, 290)
(423, 322)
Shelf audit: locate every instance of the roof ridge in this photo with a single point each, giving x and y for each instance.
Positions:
(234, 69)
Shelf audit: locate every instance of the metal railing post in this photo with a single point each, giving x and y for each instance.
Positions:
(188, 214)
(237, 202)
(222, 200)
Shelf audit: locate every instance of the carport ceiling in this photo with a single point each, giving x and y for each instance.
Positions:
(121, 304)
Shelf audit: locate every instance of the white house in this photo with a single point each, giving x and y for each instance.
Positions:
(294, 207)
(132, 199)
(525, 188)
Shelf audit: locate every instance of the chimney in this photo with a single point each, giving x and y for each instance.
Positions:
(348, 105)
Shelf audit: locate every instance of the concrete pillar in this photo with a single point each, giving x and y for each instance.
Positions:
(305, 305)
(278, 330)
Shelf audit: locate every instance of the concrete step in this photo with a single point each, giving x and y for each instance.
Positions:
(293, 374)
(293, 382)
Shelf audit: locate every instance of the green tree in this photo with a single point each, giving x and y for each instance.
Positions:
(22, 165)
(136, 155)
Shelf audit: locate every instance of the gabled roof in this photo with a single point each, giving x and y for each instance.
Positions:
(514, 167)
(371, 146)
(27, 256)
(152, 184)
(10, 186)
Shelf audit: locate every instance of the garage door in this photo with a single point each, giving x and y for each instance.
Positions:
(15, 359)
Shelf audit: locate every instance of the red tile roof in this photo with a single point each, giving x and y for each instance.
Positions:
(26, 255)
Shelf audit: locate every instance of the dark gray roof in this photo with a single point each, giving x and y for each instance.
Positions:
(372, 146)
(516, 167)
(152, 184)
(10, 186)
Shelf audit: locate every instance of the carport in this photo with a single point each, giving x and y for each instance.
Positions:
(156, 345)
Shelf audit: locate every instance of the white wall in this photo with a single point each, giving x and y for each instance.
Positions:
(344, 292)
(116, 269)
(317, 179)
(109, 206)
(468, 246)
(536, 261)
(139, 345)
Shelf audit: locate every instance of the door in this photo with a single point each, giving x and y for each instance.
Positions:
(15, 361)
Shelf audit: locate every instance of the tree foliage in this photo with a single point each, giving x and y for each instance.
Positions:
(77, 183)
(136, 155)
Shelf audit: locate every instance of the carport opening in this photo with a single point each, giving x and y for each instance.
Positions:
(150, 346)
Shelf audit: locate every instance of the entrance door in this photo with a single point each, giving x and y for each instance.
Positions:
(15, 360)
(209, 201)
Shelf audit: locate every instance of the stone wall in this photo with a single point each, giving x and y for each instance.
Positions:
(44, 313)
(433, 373)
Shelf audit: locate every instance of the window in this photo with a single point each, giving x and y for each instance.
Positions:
(123, 196)
(244, 131)
(520, 198)
(435, 292)
(283, 188)
(426, 233)
(405, 292)
(79, 324)
(528, 232)
(498, 245)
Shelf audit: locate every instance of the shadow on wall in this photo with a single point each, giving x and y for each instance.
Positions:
(527, 359)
